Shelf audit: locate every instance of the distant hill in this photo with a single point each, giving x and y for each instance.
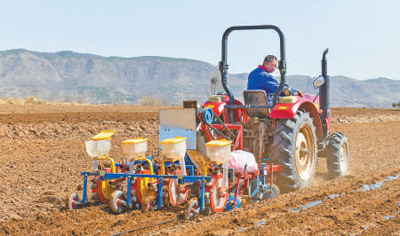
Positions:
(347, 92)
(70, 76)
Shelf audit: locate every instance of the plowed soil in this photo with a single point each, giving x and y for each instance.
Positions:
(42, 153)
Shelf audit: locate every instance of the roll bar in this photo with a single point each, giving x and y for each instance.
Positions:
(223, 65)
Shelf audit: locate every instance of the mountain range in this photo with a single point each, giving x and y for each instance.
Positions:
(87, 78)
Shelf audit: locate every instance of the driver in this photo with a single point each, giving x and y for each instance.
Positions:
(261, 78)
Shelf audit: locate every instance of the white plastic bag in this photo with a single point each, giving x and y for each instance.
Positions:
(240, 158)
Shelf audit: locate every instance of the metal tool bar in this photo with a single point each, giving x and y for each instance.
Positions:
(247, 106)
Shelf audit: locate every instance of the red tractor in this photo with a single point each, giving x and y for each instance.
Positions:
(291, 132)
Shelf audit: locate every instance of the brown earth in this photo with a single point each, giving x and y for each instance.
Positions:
(42, 154)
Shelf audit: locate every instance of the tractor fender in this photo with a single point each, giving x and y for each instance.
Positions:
(289, 110)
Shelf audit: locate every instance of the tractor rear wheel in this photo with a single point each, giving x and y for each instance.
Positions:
(295, 149)
(337, 154)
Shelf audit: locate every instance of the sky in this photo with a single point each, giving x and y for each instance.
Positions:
(363, 36)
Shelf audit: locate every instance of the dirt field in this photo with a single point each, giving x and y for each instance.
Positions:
(42, 154)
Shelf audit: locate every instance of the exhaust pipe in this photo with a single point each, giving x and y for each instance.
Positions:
(324, 89)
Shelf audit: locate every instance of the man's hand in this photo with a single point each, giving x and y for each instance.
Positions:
(300, 93)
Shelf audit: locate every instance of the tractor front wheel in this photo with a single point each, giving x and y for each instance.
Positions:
(337, 155)
(294, 148)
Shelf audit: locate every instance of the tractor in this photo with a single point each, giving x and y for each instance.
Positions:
(291, 131)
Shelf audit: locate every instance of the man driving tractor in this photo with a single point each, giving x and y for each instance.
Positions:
(261, 78)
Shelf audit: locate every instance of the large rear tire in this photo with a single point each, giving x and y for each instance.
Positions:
(295, 149)
(337, 153)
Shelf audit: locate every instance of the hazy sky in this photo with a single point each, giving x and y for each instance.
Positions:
(363, 36)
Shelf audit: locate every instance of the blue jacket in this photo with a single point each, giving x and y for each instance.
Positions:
(260, 79)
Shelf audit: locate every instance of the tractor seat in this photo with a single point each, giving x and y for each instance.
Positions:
(256, 98)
